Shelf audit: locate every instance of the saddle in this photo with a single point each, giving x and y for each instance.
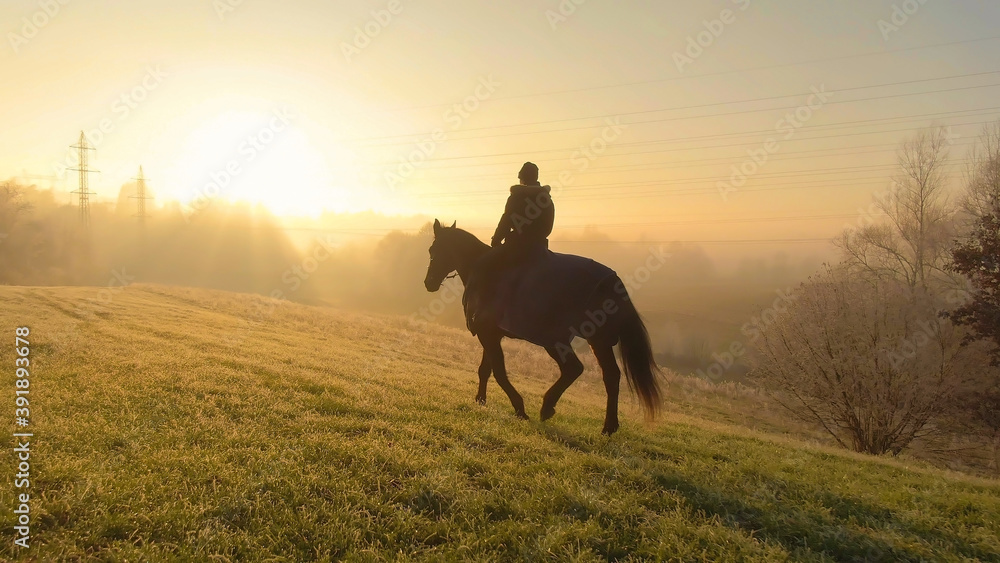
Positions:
(539, 298)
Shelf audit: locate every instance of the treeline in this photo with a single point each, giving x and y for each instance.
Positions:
(235, 247)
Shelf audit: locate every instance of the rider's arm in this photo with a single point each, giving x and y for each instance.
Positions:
(506, 224)
(503, 229)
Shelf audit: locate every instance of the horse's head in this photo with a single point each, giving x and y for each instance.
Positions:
(444, 256)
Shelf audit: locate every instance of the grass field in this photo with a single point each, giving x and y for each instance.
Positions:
(176, 424)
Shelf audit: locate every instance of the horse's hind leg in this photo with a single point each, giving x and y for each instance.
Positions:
(605, 354)
(570, 368)
(494, 354)
(484, 377)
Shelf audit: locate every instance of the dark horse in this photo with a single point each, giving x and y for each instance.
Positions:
(604, 318)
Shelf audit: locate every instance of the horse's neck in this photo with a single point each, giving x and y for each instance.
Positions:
(475, 249)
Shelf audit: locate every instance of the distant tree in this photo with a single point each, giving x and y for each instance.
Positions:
(13, 208)
(12, 205)
(978, 259)
(865, 357)
(912, 244)
(982, 195)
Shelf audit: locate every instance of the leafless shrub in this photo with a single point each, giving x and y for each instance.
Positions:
(864, 357)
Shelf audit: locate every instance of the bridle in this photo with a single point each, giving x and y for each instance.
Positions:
(446, 277)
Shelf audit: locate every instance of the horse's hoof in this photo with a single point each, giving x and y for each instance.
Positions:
(481, 400)
(609, 429)
(522, 416)
(547, 413)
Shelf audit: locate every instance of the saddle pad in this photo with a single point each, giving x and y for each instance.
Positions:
(540, 300)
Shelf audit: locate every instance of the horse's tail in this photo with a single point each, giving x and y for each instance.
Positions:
(641, 370)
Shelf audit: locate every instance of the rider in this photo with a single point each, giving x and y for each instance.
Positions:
(522, 232)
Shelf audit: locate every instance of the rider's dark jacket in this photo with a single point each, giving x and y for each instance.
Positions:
(527, 218)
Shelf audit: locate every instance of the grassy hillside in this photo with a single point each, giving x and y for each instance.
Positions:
(177, 424)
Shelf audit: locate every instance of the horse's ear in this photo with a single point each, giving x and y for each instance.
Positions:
(437, 226)
(453, 224)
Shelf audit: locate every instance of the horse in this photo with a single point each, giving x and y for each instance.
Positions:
(604, 318)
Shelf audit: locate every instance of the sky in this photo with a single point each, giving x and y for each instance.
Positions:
(641, 115)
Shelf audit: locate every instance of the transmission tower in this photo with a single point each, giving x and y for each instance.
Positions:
(84, 191)
(140, 195)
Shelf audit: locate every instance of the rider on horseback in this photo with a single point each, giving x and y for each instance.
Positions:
(522, 233)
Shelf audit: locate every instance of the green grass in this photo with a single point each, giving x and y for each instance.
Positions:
(315, 434)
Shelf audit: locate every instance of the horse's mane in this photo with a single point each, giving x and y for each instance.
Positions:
(466, 238)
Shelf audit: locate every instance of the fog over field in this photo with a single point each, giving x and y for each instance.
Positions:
(696, 297)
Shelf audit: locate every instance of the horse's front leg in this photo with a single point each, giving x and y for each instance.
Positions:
(490, 339)
(485, 369)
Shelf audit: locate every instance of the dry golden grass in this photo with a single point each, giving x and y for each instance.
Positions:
(192, 425)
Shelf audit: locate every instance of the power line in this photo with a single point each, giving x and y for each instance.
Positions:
(680, 118)
(596, 169)
(784, 141)
(826, 240)
(783, 219)
(699, 106)
(758, 176)
(806, 128)
(560, 241)
(696, 76)
(653, 166)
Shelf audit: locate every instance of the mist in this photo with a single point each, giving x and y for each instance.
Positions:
(696, 300)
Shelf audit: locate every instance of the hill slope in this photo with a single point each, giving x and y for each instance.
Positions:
(195, 425)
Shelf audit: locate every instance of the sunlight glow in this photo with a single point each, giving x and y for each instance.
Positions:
(257, 158)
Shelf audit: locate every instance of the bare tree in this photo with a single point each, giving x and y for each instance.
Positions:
(982, 176)
(865, 357)
(912, 245)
